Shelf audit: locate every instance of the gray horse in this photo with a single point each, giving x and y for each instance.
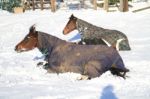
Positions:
(91, 34)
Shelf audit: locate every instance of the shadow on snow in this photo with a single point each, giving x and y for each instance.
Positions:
(107, 93)
(76, 37)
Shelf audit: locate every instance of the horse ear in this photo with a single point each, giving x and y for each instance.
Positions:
(32, 29)
(73, 17)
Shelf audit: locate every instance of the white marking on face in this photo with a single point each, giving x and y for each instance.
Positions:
(28, 37)
(23, 49)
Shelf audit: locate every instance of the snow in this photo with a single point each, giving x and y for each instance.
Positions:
(139, 5)
(20, 78)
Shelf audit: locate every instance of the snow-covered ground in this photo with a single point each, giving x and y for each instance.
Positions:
(21, 79)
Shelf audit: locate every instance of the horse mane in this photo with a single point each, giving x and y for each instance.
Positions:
(83, 23)
(46, 40)
(45, 36)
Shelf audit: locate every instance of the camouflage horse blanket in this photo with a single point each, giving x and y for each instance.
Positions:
(91, 34)
(90, 60)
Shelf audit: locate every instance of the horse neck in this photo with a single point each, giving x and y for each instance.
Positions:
(84, 27)
(81, 24)
(48, 42)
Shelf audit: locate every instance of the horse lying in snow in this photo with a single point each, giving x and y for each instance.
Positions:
(89, 60)
(91, 34)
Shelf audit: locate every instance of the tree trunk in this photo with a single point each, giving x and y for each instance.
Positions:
(106, 4)
(41, 1)
(123, 5)
(95, 4)
(53, 5)
(33, 5)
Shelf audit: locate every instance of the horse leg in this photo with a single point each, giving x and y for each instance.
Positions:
(81, 42)
(93, 69)
(119, 72)
(39, 64)
(44, 64)
(101, 41)
(83, 77)
(94, 41)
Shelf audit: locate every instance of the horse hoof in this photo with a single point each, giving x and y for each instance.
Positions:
(40, 64)
(83, 77)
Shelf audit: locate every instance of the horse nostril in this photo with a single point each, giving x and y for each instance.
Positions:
(16, 48)
(63, 32)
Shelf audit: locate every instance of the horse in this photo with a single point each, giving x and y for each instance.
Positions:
(88, 60)
(91, 34)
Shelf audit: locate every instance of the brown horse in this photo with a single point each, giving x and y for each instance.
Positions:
(91, 34)
(62, 56)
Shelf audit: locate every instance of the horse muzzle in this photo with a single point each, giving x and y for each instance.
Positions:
(64, 33)
(19, 49)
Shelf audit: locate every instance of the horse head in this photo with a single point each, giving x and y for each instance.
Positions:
(71, 25)
(29, 42)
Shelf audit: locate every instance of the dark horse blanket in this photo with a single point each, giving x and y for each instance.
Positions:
(91, 34)
(90, 60)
